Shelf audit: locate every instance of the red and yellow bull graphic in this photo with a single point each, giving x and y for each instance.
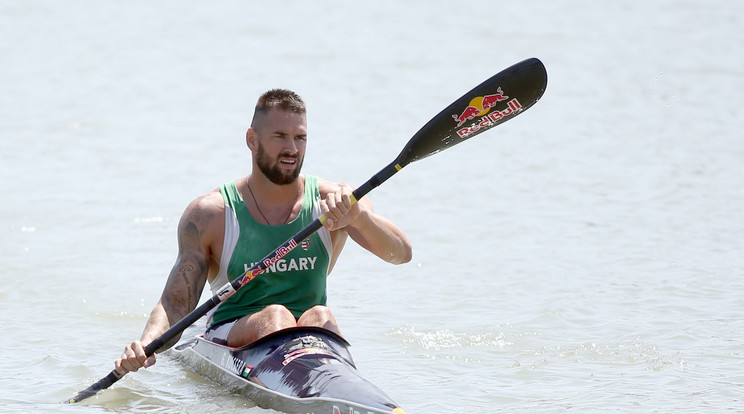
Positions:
(481, 108)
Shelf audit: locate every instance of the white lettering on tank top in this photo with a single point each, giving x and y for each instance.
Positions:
(284, 265)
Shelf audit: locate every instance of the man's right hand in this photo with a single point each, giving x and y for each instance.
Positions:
(134, 358)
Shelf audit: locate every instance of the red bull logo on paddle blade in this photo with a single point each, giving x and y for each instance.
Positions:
(480, 106)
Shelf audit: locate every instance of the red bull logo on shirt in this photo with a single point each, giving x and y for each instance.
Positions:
(481, 106)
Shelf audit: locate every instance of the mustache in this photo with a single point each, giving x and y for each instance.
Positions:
(289, 155)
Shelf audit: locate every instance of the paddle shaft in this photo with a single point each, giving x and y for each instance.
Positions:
(525, 82)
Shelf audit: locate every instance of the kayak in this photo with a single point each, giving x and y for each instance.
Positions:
(296, 370)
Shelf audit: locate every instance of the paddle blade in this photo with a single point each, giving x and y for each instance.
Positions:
(498, 99)
(102, 384)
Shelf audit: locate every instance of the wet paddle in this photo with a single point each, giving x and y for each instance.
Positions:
(498, 99)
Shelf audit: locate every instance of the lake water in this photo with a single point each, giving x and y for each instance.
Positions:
(584, 257)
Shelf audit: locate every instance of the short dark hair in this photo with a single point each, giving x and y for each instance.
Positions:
(281, 99)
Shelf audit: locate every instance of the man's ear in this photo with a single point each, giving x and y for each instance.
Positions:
(251, 138)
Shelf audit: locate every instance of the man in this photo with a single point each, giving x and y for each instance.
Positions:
(224, 232)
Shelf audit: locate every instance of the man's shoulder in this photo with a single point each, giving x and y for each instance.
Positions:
(212, 200)
(207, 206)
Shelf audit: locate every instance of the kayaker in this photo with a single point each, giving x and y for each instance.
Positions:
(222, 233)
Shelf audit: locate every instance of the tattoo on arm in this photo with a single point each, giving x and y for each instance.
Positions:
(188, 276)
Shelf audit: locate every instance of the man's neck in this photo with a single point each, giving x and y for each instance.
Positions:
(273, 195)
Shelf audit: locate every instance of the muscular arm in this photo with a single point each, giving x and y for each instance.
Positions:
(380, 236)
(197, 230)
(185, 282)
(369, 229)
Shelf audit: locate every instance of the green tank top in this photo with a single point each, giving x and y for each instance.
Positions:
(297, 281)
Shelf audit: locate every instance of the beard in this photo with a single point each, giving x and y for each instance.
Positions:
(270, 168)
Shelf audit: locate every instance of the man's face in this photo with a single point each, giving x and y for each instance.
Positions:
(281, 140)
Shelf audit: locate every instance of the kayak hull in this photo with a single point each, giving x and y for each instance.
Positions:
(297, 370)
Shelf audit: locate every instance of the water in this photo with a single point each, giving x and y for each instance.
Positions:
(583, 257)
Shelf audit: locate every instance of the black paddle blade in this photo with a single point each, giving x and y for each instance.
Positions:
(498, 99)
(102, 384)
